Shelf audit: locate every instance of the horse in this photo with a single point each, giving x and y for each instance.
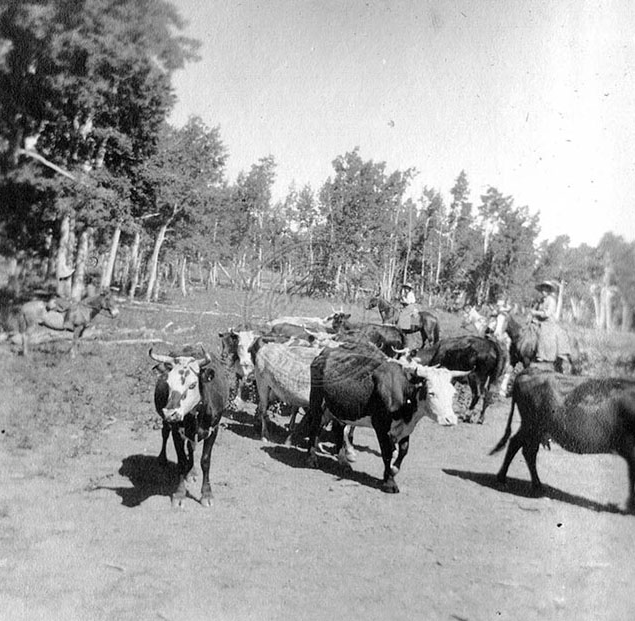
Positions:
(427, 324)
(524, 344)
(481, 323)
(76, 319)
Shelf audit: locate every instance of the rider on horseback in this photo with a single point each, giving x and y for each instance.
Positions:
(61, 303)
(407, 317)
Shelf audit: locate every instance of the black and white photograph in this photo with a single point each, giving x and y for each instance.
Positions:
(317, 309)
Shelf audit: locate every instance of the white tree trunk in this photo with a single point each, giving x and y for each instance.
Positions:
(80, 264)
(154, 261)
(182, 276)
(112, 256)
(63, 286)
(135, 258)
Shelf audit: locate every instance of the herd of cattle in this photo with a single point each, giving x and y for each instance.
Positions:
(344, 374)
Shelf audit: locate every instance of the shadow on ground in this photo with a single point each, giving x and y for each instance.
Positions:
(296, 458)
(149, 477)
(522, 488)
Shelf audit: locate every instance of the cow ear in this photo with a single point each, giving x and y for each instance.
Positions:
(207, 374)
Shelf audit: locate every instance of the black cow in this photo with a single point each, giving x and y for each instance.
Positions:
(386, 337)
(190, 396)
(596, 416)
(485, 358)
(361, 386)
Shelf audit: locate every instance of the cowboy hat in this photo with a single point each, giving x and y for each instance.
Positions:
(547, 284)
(65, 272)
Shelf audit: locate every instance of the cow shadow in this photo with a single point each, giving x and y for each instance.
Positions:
(295, 458)
(149, 477)
(522, 488)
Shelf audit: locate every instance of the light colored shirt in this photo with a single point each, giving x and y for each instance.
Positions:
(408, 296)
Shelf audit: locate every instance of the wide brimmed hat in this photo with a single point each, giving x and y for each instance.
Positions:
(550, 285)
(65, 272)
(406, 285)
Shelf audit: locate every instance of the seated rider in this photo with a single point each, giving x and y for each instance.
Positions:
(407, 296)
(407, 319)
(60, 303)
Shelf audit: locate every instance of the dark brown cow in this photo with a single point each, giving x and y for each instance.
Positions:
(360, 386)
(596, 416)
(190, 396)
(485, 358)
(386, 337)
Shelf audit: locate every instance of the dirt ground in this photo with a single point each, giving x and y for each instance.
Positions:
(96, 538)
(87, 531)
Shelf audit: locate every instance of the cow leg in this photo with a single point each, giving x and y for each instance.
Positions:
(474, 384)
(165, 434)
(515, 444)
(403, 446)
(530, 452)
(626, 448)
(206, 458)
(260, 423)
(184, 467)
(487, 400)
(77, 333)
(387, 447)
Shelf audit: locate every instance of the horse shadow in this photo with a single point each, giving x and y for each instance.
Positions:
(295, 458)
(149, 477)
(522, 489)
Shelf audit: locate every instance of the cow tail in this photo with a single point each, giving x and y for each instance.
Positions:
(508, 430)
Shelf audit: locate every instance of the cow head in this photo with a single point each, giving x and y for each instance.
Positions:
(437, 393)
(182, 378)
(235, 346)
(339, 320)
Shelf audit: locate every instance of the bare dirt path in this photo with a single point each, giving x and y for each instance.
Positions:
(94, 537)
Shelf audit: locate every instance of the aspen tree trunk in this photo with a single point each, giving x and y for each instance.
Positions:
(183, 275)
(63, 286)
(154, 261)
(106, 278)
(560, 301)
(77, 291)
(135, 258)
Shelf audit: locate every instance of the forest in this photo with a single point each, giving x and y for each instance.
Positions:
(93, 177)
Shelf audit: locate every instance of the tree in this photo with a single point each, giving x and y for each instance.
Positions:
(181, 179)
(84, 87)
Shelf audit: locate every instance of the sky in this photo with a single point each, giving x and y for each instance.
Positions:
(535, 98)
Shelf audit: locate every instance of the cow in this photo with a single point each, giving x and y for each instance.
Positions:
(596, 416)
(360, 386)
(314, 324)
(190, 396)
(485, 358)
(386, 337)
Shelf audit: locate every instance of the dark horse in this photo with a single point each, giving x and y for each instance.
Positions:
(427, 324)
(524, 344)
(75, 319)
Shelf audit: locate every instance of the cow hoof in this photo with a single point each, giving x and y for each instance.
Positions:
(206, 501)
(311, 461)
(390, 488)
(177, 502)
(394, 470)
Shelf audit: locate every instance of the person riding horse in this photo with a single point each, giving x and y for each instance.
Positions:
(409, 309)
(553, 343)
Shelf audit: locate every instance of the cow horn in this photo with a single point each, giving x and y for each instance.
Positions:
(401, 352)
(160, 357)
(454, 374)
(205, 360)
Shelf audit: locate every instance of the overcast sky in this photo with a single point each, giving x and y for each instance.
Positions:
(536, 98)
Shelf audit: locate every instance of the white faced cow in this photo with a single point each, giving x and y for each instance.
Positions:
(190, 396)
(362, 387)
